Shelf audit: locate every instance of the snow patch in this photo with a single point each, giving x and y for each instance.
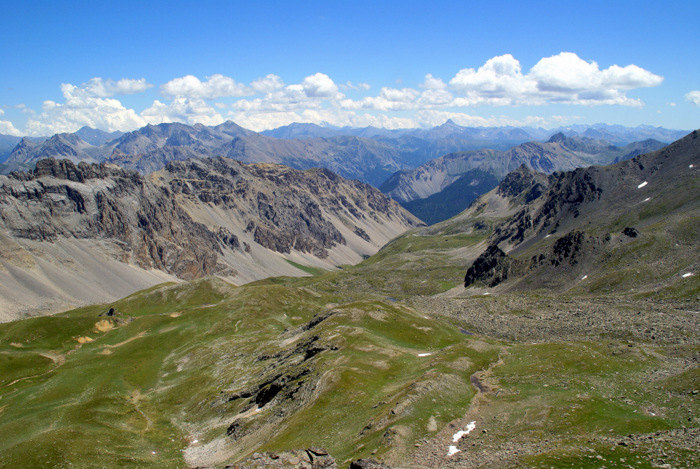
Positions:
(647, 199)
(584, 277)
(460, 434)
(690, 166)
(642, 185)
(686, 275)
(547, 236)
(424, 354)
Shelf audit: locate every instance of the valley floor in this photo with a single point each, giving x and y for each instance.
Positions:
(600, 382)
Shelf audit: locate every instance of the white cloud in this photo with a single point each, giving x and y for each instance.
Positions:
(268, 84)
(181, 109)
(216, 86)
(7, 128)
(320, 85)
(269, 102)
(357, 87)
(268, 120)
(100, 88)
(435, 93)
(389, 99)
(82, 107)
(564, 78)
(2, 112)
(693, 97)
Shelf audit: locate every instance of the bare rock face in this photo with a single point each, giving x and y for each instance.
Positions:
(311, 458)
(62, 200)
(193, 218)
(492, 267)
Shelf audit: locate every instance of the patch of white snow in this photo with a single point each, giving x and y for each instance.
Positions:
(452, 450)
(686, 275)
(548, 236)
(647, 199)
(690, 166)
(424, 354)
(584, 277)
(460, 434)
(642, 185)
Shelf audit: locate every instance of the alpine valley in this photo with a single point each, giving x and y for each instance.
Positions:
(237, 306)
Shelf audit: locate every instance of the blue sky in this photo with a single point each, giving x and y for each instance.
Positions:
(122, 65)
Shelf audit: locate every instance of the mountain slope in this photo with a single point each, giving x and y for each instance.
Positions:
(195, 218)
(625, 227)
(452, 199)
(559, 153)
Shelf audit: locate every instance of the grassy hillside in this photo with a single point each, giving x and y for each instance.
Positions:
(202, 373)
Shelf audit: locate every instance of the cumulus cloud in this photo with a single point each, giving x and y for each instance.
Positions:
(564, 78)
(216, 86)
(268, 84)
(181, 109)
(7, 128)
(269, 102)
(82, 107)
(319, 85)
(693, 97)
(100, 88)
(389, 99)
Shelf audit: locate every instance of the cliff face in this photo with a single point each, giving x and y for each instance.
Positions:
(194, 218)
(62, 200)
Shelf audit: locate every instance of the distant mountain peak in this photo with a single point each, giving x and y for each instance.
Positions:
(558, 137)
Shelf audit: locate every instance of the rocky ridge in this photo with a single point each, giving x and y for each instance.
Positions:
(194, 218)
(581, 218)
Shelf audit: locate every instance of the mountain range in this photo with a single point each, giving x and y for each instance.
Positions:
(443, 187)
(368, 154)
(84, 233)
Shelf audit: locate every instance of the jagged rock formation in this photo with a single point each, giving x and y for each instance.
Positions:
(571, 224)
(194, 218)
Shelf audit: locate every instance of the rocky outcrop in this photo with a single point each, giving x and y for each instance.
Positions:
(368, 464)
(492, 267)
(311, 458)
